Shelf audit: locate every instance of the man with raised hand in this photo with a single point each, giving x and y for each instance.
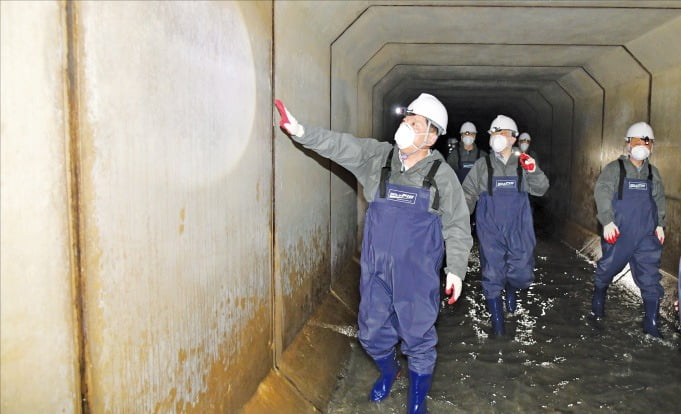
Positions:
(416, 211)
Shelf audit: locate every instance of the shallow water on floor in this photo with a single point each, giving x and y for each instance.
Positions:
(554, 358)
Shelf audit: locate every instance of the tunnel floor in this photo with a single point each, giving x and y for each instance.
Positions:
(554, 358)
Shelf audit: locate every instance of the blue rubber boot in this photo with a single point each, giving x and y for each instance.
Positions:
(598, 302)
(650, 324)
(419, 385)
(511, 299)
(390, 370)
(496, 311)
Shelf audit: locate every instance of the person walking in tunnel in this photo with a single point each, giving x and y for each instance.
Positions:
(500, 184)
(524, 141)
(464, 155)
(631, 207)
(417, 211)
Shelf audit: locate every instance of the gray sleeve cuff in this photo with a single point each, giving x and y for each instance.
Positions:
(605, 217)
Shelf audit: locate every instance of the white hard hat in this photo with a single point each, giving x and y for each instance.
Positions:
(524, 137)
(431, 108)
(468, 127)
(640, 130)
(503, 122)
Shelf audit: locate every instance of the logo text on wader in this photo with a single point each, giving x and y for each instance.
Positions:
(505, 183)
(638, 186)
(401, 196)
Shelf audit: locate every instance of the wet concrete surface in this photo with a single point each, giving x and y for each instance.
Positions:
(554, 358)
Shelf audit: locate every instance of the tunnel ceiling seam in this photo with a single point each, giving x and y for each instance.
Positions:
(384, 45)
(517, 6)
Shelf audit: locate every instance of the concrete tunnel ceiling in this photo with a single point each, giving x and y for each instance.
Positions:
(480, 60)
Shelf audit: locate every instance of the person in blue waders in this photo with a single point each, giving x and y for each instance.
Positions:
(499, 183)
(416, 211)
(631, 208)
(463, 156)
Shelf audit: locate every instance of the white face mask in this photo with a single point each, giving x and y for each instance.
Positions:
(468, 140)
(498, 142)
(404, 136)
(524, 146)
(640, 153)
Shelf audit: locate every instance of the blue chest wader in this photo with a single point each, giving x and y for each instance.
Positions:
(465, 166)
(636, 218)
(506, 241)
(461, 173)
(402, 253)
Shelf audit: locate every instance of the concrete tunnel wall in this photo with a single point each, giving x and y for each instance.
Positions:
(136, 205)
(165, 249)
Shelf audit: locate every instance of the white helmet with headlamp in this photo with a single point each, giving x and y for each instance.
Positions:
(502, 122)
(640, 130)
(468, 127)
(432, 109)
(498, 142)
(644, 132)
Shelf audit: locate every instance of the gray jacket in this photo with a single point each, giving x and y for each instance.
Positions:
(364, 158)
(535, 183)
(460, 153)
(608, 181)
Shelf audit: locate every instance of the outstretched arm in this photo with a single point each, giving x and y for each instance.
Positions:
(354, 154)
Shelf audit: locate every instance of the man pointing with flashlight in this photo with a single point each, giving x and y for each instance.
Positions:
(416, 211)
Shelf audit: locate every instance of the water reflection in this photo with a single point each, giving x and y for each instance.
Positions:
(555, 357)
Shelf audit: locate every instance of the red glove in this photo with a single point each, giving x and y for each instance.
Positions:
(527, 162)
(453, 287)
(288, 123)
(611, 232)
(282, 112)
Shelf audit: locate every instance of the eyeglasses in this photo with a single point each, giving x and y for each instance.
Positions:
(640, 140)
(514, 134)
(468, 133)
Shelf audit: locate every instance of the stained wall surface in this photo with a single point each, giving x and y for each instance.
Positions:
(38, 347)
(176, 202)
(315, 209)
(173, 128)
